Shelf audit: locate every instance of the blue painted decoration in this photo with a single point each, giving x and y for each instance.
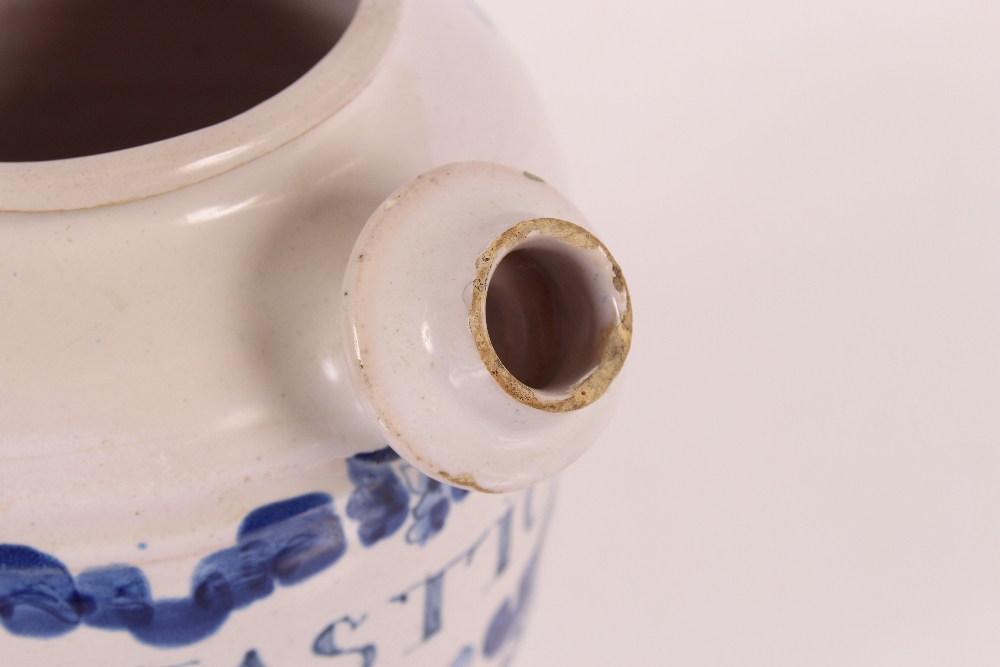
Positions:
(433, 598)
(431, 510)
(298, 537)
(37, 594)
(379, 502)
(464, 657)
(508, 621)
(115, 597)
(285, 543)
(326, 643)
(384, 455)
(279, 544)
(251, 659)
(503, 541)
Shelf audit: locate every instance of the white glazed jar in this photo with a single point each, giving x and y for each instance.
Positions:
(289, 387)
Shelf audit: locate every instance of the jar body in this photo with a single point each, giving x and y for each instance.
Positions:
(178, 436)
(381, 563)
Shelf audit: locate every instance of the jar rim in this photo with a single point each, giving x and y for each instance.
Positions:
(148, 170)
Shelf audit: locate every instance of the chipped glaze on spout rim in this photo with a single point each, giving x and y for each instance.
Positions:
(616, 339)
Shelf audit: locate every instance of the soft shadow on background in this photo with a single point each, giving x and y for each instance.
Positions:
(805, 199)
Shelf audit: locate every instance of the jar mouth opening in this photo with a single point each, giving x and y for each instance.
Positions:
(206, 131)
(554, 322)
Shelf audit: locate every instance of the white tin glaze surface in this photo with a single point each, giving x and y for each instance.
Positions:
(179, 482)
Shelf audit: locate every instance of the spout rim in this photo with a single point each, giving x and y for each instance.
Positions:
(616, 340)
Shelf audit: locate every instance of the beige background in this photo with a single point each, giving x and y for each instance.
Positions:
(805, 198)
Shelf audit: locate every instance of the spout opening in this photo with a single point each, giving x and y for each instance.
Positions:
(543, 316)
(553, 318)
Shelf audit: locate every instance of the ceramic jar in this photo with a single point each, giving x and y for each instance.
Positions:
(290, 389)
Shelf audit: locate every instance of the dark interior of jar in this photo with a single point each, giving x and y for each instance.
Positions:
(545, 316)
(82, 77)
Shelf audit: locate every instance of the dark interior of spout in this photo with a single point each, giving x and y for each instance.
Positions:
(542, 317)
(81, 77)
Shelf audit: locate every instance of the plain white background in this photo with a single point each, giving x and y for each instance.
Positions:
(805, 199)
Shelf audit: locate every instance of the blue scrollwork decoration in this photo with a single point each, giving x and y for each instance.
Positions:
(282, 543)
(380, 502)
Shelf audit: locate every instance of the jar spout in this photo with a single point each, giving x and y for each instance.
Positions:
(485, 326)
